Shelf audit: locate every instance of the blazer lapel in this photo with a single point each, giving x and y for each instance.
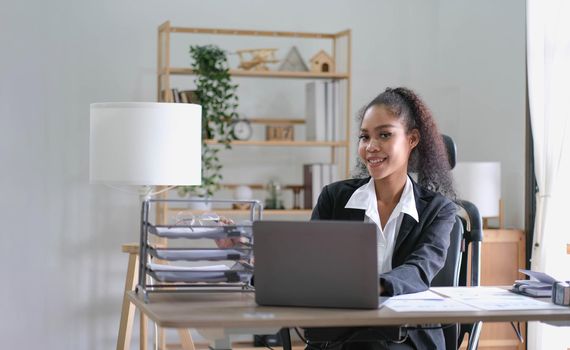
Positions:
(408, 222)
(356, 214)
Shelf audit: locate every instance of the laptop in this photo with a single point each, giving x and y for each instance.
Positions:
(316, 264)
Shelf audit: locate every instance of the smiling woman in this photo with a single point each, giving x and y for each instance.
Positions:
(397, 135)
(384, 147)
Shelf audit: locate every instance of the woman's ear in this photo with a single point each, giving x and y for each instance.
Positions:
(414, 138)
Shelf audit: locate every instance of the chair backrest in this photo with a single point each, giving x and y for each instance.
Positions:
(466, 235)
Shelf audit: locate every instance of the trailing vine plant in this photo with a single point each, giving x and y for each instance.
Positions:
(217, 95)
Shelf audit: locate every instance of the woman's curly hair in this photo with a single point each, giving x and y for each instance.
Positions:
(429, 159)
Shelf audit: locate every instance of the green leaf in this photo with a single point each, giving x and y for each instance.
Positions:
(218, 98)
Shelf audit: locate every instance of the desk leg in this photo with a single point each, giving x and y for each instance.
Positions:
(128, 309)
(186, 339)
(161, 338)
(143, 332)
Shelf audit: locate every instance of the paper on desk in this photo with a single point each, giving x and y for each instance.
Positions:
(533, 284)
(494, 298)
(471, 292)
(516, 302)
(200, 254)
(426, 295)
(197, 232)
(162, 267)
(539, 276)
(427, 305)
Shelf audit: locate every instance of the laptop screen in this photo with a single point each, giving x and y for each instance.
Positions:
(316, 264)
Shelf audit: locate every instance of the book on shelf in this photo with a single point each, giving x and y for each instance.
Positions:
(184, 96)
(328, 111)
(189, 96)
(324, 106)
(175, 96)
(315, 111)
(339, 106)
(315, 177)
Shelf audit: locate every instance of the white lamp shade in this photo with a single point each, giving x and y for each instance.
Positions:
(145, 143)
(479, 183)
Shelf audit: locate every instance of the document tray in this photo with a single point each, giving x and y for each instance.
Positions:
(167, 273)
(198, 232)
(173, 254)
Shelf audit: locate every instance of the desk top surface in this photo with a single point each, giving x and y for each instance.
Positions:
(239, 310)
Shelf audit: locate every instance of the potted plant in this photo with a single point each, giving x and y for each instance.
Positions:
(217, 95)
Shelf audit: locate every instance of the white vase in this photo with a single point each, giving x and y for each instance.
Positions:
(198, 203)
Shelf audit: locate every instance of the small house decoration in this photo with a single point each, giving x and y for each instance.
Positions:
(322, 62)
(293, 62)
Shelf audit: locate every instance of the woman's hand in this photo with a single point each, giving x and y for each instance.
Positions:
(225, 243)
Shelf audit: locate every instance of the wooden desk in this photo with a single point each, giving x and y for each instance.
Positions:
(238, 310)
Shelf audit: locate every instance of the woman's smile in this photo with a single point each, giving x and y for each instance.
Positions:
(375, 162)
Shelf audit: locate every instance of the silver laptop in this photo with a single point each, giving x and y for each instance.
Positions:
(316, 264)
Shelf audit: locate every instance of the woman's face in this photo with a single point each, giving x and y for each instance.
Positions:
(384, 146)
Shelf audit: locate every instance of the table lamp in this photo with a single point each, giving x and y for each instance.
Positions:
(480, 184)
(145, 144)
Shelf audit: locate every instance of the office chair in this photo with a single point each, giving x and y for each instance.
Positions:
(466, 234)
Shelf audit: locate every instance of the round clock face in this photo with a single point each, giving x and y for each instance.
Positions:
(241, 129)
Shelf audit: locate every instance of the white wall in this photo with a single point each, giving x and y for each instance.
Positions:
(61, 237)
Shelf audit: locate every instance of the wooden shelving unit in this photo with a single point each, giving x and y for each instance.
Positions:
(340, 41)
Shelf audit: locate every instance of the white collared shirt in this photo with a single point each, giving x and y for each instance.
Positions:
(364, 198)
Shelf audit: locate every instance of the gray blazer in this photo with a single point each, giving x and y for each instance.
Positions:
(420, 249)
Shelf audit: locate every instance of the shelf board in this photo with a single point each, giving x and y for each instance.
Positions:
(271, 33)
(276, 121)
(259, 186)
(263, 74)
(285, 143)
(245, 212)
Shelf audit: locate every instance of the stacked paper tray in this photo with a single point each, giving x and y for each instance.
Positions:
(198, 232)
(208, 274)
(188, 254)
